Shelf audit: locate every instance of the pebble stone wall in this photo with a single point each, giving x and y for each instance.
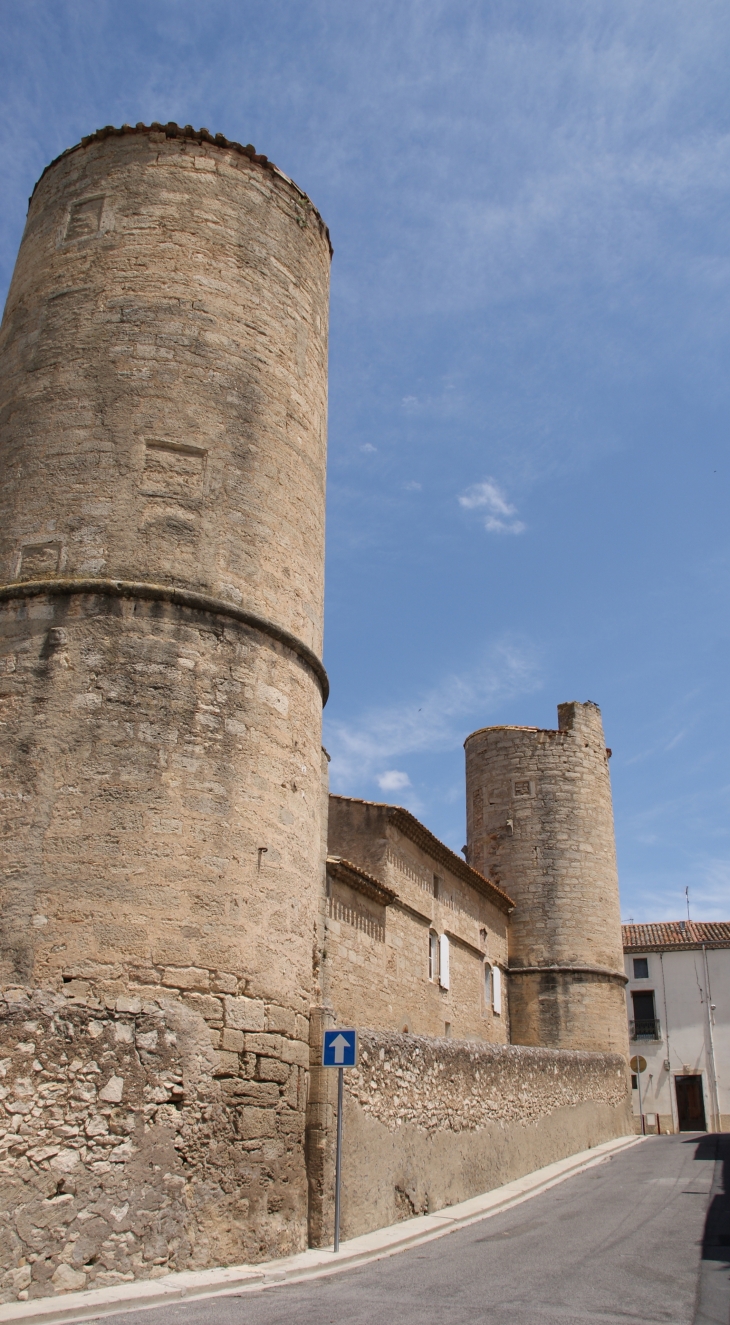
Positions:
(430, 1122)
(130, 1147)
(163, 386)
(540, 824)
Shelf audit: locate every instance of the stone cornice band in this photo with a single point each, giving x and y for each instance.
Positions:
(604, 971)
(163, 593)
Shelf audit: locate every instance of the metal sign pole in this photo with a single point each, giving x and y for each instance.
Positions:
(338, 1161)
(641, 1113)
(339, 1049)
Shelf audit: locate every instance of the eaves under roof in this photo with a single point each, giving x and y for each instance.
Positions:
(412, 828)
(360, 880)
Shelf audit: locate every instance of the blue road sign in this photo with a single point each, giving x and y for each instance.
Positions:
(339, 1049)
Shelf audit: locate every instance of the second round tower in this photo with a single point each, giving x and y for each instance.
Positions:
(540, 823)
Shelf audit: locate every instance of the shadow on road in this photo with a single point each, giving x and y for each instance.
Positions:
(716, 1237)
(713, 1288)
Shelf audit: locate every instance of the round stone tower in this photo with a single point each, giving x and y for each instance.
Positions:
(163, 397)
(540, 823)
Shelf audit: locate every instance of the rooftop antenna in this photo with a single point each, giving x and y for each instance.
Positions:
(686, 893)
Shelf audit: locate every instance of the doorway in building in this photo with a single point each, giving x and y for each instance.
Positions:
(690, 1104)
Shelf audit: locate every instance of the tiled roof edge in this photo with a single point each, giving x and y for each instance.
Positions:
(423, 837)
(675, 935)
(360, 880)
(172, 130)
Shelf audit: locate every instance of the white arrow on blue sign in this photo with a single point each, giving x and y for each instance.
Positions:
(339, 1049)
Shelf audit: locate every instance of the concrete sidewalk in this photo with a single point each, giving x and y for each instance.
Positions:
(196, 1284)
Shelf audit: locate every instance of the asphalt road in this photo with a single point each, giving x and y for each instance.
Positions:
(640, 1238)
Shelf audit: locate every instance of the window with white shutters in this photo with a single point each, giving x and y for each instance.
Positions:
(443, 961)
(497, 990)
(433, 956)
(487, 985)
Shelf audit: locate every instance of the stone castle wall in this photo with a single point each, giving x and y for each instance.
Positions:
(540, 823)
(130, 1147)
(429, 1123)
(162, 456)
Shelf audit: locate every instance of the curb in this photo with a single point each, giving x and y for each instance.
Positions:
(315, 1263)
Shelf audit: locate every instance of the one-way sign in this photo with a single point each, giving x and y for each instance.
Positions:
(339, 1049)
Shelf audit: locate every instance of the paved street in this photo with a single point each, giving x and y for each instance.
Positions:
(621, 1242)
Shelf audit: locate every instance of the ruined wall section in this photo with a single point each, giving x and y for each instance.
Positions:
(540, 823)
(131, 1147)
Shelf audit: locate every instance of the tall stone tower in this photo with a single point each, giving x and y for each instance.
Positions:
(163, 397)
(540, 823)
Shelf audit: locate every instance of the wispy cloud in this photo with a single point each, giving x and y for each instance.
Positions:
(709, 889)
(437, 720)
(489, 497)
(393, 780)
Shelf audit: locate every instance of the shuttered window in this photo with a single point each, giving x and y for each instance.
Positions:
(443, 961)
(497, 990)
(433, 956)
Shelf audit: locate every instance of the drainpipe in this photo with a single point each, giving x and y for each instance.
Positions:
(675, 1121)
(711, 1043)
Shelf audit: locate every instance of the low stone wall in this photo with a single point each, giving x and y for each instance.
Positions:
(429, 1123)
(130, 1146)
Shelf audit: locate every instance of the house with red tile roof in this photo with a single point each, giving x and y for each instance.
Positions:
(678, 1007)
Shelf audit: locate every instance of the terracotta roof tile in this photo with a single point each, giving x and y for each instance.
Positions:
(678, 934)
(422, 837)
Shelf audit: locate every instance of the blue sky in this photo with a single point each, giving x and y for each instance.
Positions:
(529, 478)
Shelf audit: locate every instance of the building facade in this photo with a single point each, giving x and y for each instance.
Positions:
(678, 1007)
(414, 934)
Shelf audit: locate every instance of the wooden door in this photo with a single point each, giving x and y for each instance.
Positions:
(690, 1104)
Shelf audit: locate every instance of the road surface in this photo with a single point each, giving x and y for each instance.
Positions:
(628, 1241)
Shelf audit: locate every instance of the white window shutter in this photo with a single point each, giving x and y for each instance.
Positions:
(497, 990)
(443, 961)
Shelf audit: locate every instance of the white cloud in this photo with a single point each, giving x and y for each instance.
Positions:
(368, 448)
(490, 497)
(393, 780)
(412, 486)
(437, 720)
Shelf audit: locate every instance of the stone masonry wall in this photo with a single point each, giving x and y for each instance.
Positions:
(163, 393)
(429, 1123)
(130, 1146)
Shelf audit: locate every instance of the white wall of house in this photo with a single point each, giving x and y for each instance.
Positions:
(683, 1039)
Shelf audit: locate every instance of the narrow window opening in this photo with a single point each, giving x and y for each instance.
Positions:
(641, 968)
